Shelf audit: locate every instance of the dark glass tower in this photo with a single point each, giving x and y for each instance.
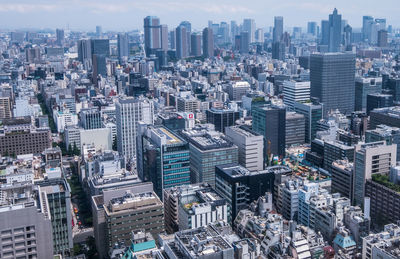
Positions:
(152, 34)
(332, 77)
(208, 42)
(335, 31)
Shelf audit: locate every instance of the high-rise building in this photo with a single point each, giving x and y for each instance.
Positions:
(99, 31)
(342, 178)
(278, 50)
(336, 150)
(250, 146)
(365, 86)
(325, 32)
(60, 37)
(312, 28)
(313, 112)
(382, 38)
(208, 42)
(244, 42)
(129, 111)
(378, 100)
(222, 118)
(335, 31)
(389, 116)
(295, 129)
(123, 45)
(100, 47)
(207, 150)
(391, 135)
(239, 187)
(278, 29)
(84, 50)
(371, 158)
(182, 48)
(152, 34)
(162, 158)
(366, 27)
(249, 26)
(5, 107)
(164, 37)
(270, 122)
(332, 77)
(195, 39)
(90, 118)
(295, 91)
(237, 90)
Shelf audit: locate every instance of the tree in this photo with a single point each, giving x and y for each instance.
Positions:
(76, 151)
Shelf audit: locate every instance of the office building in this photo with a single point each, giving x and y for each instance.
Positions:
(5, 108)
(382, 244)
(366, 27)
(152, 34)
(118, 212)
(163, 158)
(99, 31)
(249, 26)
(182, 48)
(250, 146)
(90, 118)
(18, 137)
(342, 178)
(335, 31)
(164, 37)
(26, 222)
(123, 45)
(129, 111)
(389, 116)
(371, 159)
(325, 33)
(60, 37)
(240, 187)
(58, 194)
(313, 112)
(84, 50)
(207, 150)
(195, 50)
(270, 122)
(335, 150)
(100, 47)
(312, 28)
(295, 91)
(390, 135)
(192, 206)
(237, 90)
(378, 100)
(33, 55)
(382, 38)
(244, 42)
(332, 78)
(278, 29)
(365, 86)
(222, 118)
(295, 129)
(188, 103)
(208, 42)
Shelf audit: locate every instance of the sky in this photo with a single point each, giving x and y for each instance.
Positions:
(125, 15)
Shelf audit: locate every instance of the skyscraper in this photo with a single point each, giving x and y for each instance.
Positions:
(152, 39)
(182, 50)
(324, 32)
(278, 29)
(99, 31)
(100, 47)
(208, 43)
(366, 27)
(84, 50)
(270, 121)
(188, 27)
(244, 42)
(60, 36)
(332, 77)
(312, 28)
(123, 45)
(335, 31)
(129, 111)
(195, 39)
(164, 37)
(249, 25)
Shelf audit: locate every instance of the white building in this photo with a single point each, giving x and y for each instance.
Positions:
(294, 91)
(237, 89)
(129, 111)
(63, 119)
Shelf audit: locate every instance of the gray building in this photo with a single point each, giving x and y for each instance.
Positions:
(342, 178)
(332, 77)
(295, 129)
(208, 43)
(390, 135)
(250, 146)
(26, 222)
(378, 100)
(313, 112)
(90, 118)
(335, 31)
(123, 45)
(152, 34)
(335, 150)
(278, 29)
(363, 87)
(389, 116)
(207, 150)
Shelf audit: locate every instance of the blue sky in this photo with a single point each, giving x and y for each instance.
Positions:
(125, 15)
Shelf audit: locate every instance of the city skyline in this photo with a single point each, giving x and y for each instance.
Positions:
(127, 15)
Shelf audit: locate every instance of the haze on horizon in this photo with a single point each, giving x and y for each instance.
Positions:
(124, 15)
